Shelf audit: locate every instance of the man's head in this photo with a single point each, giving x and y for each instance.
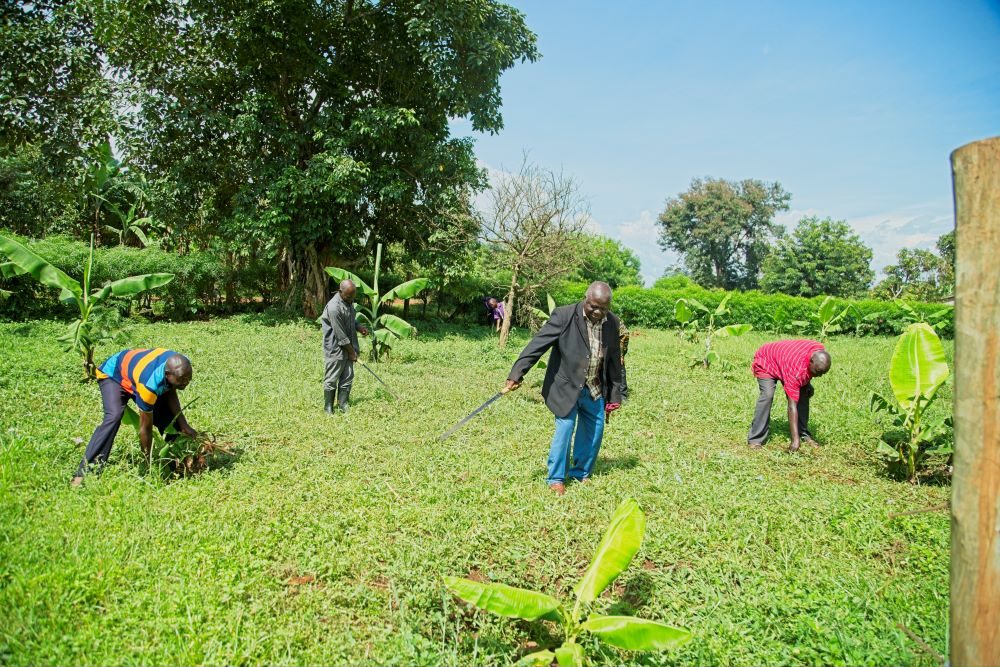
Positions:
(597, 302)
(493, 303)
(819, 363)
(178, 371)
(347, 290)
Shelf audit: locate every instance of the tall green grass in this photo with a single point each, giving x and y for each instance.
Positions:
(327, 540)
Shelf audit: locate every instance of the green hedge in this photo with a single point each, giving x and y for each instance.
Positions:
(654, 307)
(201, 280)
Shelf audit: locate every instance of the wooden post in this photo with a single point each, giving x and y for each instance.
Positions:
(975, 508)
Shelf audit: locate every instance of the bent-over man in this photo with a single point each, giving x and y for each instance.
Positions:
(793, 363)
(582, 381)
(340, 346)
(152, 379)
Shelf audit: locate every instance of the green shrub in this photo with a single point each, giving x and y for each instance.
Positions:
(654, 307)
(202, 279)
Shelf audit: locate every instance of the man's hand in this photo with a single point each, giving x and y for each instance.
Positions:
(189, 432)
(363, 331)
(794, 447)
(511, 385)
(353, 355)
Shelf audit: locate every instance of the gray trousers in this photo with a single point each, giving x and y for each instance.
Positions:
(338, 377)
(761, 426)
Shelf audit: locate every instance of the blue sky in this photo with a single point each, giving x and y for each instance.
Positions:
(854, 107)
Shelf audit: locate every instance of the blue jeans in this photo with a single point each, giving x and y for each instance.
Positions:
(589, 431)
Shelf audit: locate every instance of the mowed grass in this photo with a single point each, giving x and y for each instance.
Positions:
(327, 540)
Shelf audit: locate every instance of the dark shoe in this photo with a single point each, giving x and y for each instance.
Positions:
(328, 401)
(558, 488)
(343, 399)
(755, 445)
(812, 442)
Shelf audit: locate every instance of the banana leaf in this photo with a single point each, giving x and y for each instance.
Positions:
(887, 451)
(723, 306)
(619, 545)
(41, 270)
(733, 330)
(341, 274)
(537, 659)
(502, 599)
(570, 655)
(398, 326)
(683, 312)
(918, 365)
(131, 285)
(636, 634)
(406, 290)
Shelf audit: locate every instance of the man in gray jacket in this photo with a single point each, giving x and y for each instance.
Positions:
(340, 346)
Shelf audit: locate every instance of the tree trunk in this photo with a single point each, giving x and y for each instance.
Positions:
(508, 311)
(305, 279)
(975, 506)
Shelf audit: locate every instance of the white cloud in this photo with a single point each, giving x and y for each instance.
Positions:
(641, 235)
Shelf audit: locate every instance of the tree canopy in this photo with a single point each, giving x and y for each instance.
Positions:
(607, 260)
(723, 229)
(821, 257)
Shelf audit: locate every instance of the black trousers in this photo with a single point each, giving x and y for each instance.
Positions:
(761, 426)
(115, 399)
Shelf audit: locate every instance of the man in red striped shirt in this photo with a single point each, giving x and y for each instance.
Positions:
(793, 363)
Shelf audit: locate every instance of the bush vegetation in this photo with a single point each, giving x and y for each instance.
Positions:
(654, 307)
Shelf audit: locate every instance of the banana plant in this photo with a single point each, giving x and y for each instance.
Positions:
(917, 371)
(83, 334)
(689, 312)
(130, 224)
(541, 314)
(383, 328)
(826, 319)
(616, 550)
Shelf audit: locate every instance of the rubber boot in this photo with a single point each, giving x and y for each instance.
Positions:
(328, 401)
(342, 398)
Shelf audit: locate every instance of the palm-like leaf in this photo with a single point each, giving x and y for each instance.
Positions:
(406, 290)
(683, 312)
(918, 365)
(502, 599)
(339, 274)
(397, 325)
(619, 545)
(733, 330)
(570, 655)
(132, 285)
(723, 306)
(551, 302)
(41, 270)
(636, 634)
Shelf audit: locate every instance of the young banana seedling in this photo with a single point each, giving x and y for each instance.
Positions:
(621, 541)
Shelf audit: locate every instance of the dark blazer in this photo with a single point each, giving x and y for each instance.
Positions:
(566, 375)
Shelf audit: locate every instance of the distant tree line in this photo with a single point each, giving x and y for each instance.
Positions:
(726, 236)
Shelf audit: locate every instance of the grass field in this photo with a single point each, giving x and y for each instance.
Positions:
(326, 541)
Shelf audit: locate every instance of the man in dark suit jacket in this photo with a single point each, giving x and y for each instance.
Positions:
(583, 380)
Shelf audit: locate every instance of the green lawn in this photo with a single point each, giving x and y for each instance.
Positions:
(327, 540)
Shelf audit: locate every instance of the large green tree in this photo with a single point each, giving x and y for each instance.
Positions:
(602, 258)
(819, 257)
(723, 229)
(920, 274)
(311, 129)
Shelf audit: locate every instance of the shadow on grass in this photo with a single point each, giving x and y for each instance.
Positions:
(607, 464)
(633, 596)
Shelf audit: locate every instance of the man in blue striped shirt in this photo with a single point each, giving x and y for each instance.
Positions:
(149, 377)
